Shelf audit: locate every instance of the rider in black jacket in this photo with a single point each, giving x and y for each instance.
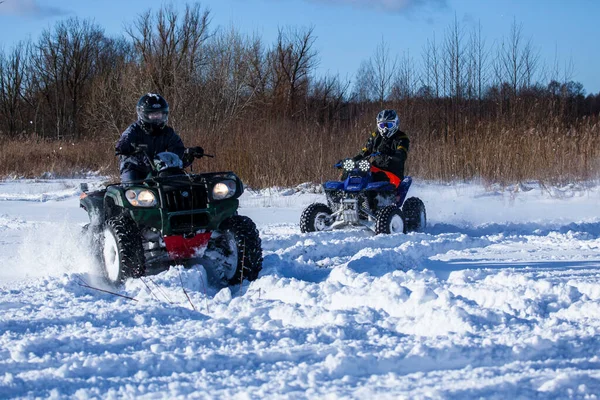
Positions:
(390, 142)
(150, 129)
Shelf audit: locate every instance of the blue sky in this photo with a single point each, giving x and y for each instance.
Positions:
(349, 30)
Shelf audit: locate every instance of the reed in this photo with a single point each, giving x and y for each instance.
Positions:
(286, 153)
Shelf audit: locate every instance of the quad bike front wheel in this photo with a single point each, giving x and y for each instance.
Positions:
(122, 253)
(389, 220)
(415, 216)
(316, 217)
(237, 248)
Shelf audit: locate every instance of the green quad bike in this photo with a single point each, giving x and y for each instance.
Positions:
(172, 216)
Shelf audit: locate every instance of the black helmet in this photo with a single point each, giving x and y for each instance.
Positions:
(153, 111)
(388, 123)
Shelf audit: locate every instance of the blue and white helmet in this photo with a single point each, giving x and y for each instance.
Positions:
(387, 123)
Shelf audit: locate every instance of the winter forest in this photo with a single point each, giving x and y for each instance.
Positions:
(473, 107)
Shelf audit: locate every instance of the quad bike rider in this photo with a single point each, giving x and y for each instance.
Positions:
(371, 193)
(150, 129)
(160, 213)
(390, 145)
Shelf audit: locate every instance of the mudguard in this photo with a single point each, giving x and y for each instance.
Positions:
(403, 190)
(356, 183)
(333, 185)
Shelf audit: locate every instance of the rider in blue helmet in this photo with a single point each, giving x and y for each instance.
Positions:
(390, 142)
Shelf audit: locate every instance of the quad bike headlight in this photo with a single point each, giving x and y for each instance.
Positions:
(364, 165)
(348, 164)
(141, 198)
(223, 190)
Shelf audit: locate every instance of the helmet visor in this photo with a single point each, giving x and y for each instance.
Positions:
(386, 124)
(155, 117)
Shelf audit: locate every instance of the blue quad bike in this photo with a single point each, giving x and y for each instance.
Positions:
(360, 200)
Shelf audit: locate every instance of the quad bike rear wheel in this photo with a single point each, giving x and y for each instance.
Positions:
(122, 253)
(389, 220)
(415, 216)
(316, 217)
(237, 248)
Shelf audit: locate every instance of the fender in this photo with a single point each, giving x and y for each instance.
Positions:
(394, 179)
(116, 195)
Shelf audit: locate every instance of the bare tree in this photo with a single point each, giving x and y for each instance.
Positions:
(13, 67)
(261, 74)
(531, 60)
(405, 84)
(385, 68)
(376, 76)
(294, 60)
(518, 60)
(454, 60)
(231, 64)
(431, 69)
(329, 94)
(113, 90)
(170, 45)
(65, 60)
(477, 72)
(478, 64)
(428, 69)
(363, 86)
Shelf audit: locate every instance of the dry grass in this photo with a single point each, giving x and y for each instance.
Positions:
(284, 154)
(508, 155)
(34, 158)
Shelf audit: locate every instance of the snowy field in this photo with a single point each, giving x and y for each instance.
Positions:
(499, 298)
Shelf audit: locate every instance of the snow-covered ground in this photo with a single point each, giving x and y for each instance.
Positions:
(499, 298)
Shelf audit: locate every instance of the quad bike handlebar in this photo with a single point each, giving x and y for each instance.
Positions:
(339, 163)
(196, 152)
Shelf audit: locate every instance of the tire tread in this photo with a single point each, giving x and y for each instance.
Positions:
(411, 210)
(307, 219)
(384, 216)
(129, 242)
(249, 247)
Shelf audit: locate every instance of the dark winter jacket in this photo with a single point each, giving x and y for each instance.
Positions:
(393, 151)
(163, 140)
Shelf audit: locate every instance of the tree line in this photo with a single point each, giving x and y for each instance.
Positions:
(229, 91)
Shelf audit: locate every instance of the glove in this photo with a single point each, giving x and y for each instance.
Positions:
(195, 151)
(124, 149)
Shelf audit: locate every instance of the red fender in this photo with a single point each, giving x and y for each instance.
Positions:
(394, 179)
